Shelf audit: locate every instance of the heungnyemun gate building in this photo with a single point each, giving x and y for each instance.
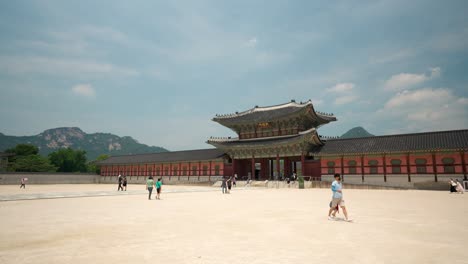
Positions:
(274, 142)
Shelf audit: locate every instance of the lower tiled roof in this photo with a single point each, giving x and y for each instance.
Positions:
(427, 141)
(173, 156)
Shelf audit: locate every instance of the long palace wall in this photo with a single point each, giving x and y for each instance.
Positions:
(8, 178)
(173, 170)
(397, 169)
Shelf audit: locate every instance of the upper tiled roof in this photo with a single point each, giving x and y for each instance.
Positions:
(173, 156)
(236, 142)
(427, 141)
(269, 113)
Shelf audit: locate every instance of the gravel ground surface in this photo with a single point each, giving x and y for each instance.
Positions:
(194, 224)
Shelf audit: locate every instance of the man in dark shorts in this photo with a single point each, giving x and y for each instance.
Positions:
(158, 189)
(124, 182)
(229, 184)
(224, 185)
(120, 183)
(23, 183)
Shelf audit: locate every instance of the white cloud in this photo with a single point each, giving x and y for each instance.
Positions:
(85, 90)
(251, 42)
(426, 110)
(406, 80)
(341, 88)
(345, 99)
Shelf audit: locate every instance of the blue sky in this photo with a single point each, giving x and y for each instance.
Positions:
(159, 71)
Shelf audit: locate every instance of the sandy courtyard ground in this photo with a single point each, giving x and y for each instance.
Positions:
(247, 226)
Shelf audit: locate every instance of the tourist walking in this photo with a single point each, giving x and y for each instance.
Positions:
(453, 186)
(229, 184)
(149, 186)
(124, 182)
(459, 187)
(120, 183)
(23, 183)
(224, 185)
(158, 189)
(234, 180)
(337, 199)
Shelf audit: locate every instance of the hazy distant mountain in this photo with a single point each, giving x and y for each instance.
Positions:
(356, 132)
(94, 144)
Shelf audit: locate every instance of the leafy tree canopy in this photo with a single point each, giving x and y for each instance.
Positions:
(33, 163)
(69, 160)
(23, 150)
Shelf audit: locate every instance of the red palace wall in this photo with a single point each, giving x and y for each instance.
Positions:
(166, 169)
(384, 164)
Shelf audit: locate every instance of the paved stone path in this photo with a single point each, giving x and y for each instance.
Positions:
(58, 195)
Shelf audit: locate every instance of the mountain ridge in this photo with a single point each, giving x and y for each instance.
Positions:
(94, 144)
(357, 132)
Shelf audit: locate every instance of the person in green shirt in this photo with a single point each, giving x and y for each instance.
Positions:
(158, 188)
(149, 186)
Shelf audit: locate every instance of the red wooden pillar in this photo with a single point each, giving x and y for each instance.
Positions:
(342, 168)
(302, 164)
(170, 169)
(189, 170)
(434, 166)
(179, 172)
(146, 169)
(462, 155)
(199, 170)
(385, 167)
(209, 175)
(362, 168)
(408, 168)
(253, 167)
(162, 169)
(233, 166)
(277, 167)
(154, 169)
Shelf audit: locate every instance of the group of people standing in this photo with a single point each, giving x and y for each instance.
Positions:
(227, 183)
(456, 186)
(149, 186)
(150, 183)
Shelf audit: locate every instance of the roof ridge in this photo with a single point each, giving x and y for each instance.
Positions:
(164, 152)
(263, 108)
(401, 135)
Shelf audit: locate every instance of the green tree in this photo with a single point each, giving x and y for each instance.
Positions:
(27, 159)
(92, 167)
(23, 150)
(33, 163)
(69, 160)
